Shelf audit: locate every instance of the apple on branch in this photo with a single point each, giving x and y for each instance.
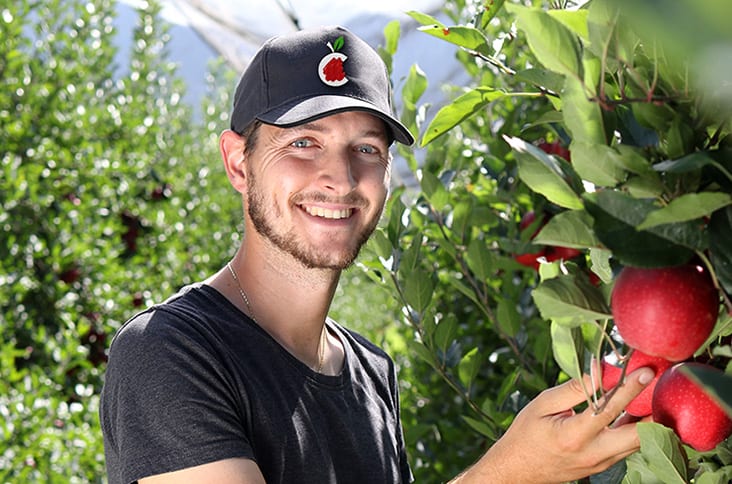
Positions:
(667, 312)
(682, 405)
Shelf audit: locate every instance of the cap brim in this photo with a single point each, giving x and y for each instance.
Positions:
(303, 111)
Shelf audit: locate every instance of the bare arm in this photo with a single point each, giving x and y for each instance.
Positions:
(228, 471)
(550, 443)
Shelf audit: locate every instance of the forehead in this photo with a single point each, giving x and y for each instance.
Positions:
(358, 123)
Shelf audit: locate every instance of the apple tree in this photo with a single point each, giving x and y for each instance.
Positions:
(108, 182)
(615, 137)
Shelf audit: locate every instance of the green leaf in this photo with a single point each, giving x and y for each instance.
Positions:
(582, 116)
(693, 162)
(597, 163)
(543, 174)
(418, 289)
(434, 190)
(508, 318)
(424, 19)
(720, 246)
(481, 427)
(459, 110)
(381, 244)
(715, 383)
(479, 259)
(419, 349)
(568, 348)
(553, 44)
(571, 228)
(663, 452)
(687, 207)
(574, 20)
(615, 218)
(445, 333)
(414, 88)
(466, 37)
(600, 264)
(570, 299)
(469, 367)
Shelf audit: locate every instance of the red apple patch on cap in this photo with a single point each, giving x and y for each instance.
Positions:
(330, 69)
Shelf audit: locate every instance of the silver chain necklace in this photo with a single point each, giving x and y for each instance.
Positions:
(321, 343)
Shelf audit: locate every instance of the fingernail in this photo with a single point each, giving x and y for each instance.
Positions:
(646, 375)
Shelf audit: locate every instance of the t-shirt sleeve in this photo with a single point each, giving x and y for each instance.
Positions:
(167, 401)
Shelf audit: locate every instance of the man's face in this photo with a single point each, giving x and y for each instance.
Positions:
(316, 191)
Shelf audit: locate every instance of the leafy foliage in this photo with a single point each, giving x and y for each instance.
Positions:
(106, 186)
(644, 180)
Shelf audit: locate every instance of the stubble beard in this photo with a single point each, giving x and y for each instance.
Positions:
(264, 216)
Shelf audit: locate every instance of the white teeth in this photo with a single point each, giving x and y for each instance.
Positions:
(328, 213)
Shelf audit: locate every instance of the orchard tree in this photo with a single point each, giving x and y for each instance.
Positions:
(615, 137)
(108, 194)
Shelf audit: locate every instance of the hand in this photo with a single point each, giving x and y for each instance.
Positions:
(549, 442)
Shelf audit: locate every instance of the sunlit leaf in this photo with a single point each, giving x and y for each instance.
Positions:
(687, 207)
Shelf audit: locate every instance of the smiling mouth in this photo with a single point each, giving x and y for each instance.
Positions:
(328, 213)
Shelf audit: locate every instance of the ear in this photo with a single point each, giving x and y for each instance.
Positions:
(231, 146)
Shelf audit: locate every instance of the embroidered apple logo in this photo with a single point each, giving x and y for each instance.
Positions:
(330, 69)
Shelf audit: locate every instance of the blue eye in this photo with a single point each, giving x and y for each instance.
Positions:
(368, 149)
(301, 143)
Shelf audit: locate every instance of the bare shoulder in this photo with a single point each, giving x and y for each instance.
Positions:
(227, 471)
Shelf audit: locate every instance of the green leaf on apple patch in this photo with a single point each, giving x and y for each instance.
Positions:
(459, 110)
(543, 78)
(543, 174)
(570, 299)
(612, 475)
(418, 289)
(570, 228)
(424, 19)
(597, 163)
(463, 36)
(600, 264)
(638, 471)
(434, 190)
(479, 259)
(717, 384)
(469, 366)
(481, 427)
(615, 217)
(445, 332)
(568, 348)
(693, 162)
(690, 206)
(582, 117)
(663, 452)
(554, 45)
(720, 246)
(508, 318)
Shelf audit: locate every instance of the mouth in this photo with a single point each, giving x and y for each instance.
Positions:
(327, 213)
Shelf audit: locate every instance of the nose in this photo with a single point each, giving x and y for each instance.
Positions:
(337, 175)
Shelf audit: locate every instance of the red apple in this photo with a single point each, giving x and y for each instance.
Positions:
(682, 405)
(667, 312)
(640, 406)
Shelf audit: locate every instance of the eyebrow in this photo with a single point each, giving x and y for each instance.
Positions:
(319, 127)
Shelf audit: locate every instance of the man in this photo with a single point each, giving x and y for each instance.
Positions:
(243, 378)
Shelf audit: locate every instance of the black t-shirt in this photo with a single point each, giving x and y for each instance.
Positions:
(193, 381)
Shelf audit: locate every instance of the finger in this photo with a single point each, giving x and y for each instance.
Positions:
(619, 441)
(564, 397)
(612, 407)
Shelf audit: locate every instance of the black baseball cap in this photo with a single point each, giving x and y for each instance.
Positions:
(309, 74)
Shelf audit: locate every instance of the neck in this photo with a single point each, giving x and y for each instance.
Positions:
(286, 299)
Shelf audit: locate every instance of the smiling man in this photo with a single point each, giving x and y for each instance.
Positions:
(243, 378)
